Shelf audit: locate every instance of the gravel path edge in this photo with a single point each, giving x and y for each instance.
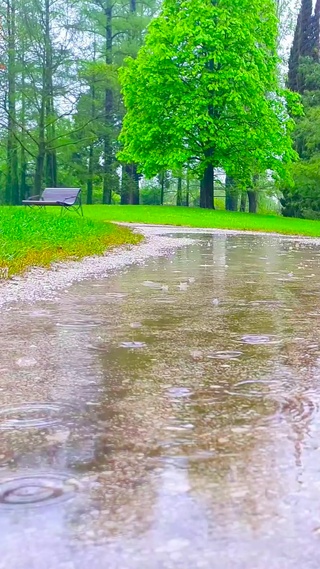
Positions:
(42, 283)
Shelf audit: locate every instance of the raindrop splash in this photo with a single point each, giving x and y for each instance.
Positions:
(32, 415)
(256, 339)
(36, 490)
(225, 355)
(132, 345)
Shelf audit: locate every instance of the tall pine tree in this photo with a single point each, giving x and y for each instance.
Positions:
(293, 66)
(315, 32)
(305, 43)
(305, 32)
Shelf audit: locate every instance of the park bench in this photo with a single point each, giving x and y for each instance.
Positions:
(66, 198)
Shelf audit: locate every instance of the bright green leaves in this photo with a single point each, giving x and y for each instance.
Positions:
(207, 79)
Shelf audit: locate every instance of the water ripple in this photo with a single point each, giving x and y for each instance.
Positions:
(298, 407)
(36, 490)
(132, 345)
(32, 415)
(225, 355)
(256, 339)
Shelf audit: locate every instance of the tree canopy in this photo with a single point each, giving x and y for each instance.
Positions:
(204, 92)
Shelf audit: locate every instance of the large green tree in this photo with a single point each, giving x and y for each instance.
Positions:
(203, 93)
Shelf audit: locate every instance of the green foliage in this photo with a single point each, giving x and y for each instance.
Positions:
(268, 195)
(29, 237)
(150, 194)
(301, 198)
(115, 198)
(204, 90)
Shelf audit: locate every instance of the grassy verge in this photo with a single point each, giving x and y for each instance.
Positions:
(196, 217)
(30, 237)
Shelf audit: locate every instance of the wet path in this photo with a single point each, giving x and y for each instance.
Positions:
(167, 417)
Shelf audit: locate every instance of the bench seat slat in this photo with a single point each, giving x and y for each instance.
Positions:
(61, 197)
(42, 202)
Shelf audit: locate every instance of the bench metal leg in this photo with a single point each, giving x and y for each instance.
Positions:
(32, 206)
(77, 208)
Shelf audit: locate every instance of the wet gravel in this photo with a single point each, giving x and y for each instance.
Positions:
(40, 283)
(167, 416)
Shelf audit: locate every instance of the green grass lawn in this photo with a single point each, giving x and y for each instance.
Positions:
(196, 217)
(33, 237)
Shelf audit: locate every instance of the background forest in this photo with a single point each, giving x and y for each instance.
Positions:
(60, 107)
(62, 110)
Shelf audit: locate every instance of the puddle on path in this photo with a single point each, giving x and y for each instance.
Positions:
(167, 417)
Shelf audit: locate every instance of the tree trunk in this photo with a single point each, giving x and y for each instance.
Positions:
(38, 177)
(107, 170)
(23, 174)
(51, 168)
(12, 183)
(232, 196)
(162, 176)
(40, 162)
(51, 155)
(91, 147)
(124, 186)
(243, 201)
(90, 176)
(207, 188)
(179, 191)
(187, 189)
(131, 194)
(130, 185)
(23, 157)
(253, 202)
(107, 141)
(134, 178)
(136, 190)
(207, 185)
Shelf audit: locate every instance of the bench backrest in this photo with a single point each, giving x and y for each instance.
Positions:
(64, 195)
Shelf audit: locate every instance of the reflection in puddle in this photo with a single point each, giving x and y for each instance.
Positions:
(181, 406)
